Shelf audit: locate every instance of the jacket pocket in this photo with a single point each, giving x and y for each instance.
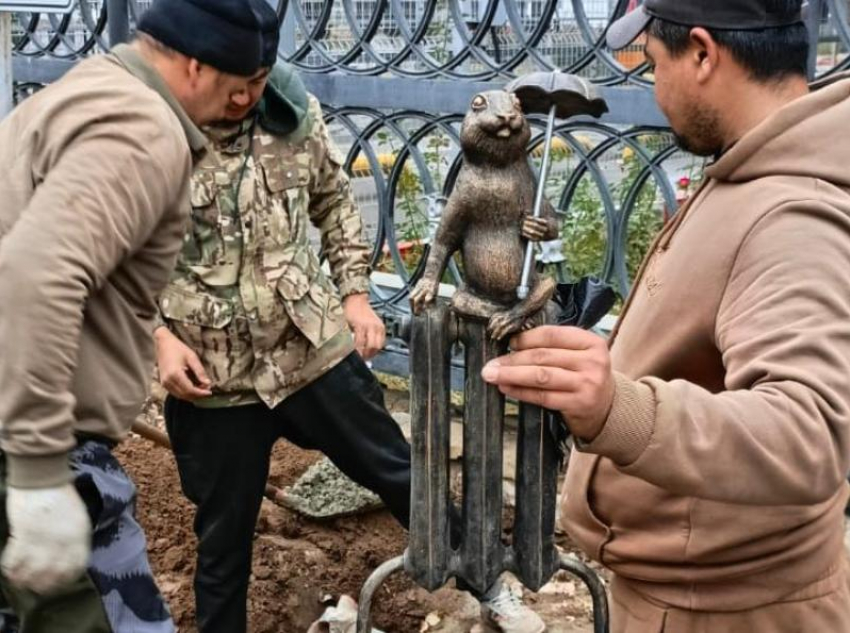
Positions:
(195, 309)
(286, 212)
(310, 299)
(577, 516)
(205, 243)
(208, 326)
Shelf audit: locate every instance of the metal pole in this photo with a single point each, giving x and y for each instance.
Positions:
(524, 286)
(7, 87)
(118, 19)
(372, 584)
(571, 564)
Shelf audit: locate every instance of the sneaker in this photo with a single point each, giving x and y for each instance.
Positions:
(506, 612)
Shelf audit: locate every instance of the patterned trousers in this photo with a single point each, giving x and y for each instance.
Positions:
(118, 594)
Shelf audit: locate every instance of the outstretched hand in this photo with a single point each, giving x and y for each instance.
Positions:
(564, 369)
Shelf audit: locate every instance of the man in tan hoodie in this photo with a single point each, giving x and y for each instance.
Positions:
(713, 439)
(94, 197)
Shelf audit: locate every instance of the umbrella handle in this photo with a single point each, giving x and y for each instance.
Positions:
(524, 289)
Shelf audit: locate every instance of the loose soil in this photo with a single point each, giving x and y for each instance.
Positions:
(301, 565)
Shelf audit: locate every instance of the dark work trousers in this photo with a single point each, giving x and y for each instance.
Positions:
(223, 458)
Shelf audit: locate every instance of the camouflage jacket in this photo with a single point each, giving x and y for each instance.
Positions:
(248, 294)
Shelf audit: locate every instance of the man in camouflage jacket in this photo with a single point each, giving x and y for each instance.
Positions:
(260, 344)
(249, 295)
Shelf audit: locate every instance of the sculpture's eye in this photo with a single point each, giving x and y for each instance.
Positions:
(516, 102)
(479, 103)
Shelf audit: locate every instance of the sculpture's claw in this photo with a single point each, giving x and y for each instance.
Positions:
(423, 295)
(503, 324)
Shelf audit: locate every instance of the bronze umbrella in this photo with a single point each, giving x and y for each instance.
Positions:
(560, 96)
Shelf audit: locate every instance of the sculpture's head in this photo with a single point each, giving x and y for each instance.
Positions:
(495, 129)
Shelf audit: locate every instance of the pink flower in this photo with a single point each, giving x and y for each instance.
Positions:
(684, 182)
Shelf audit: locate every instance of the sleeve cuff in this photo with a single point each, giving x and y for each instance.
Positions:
(354, 286)
(629, 426)
(38, 471)
(158, 320)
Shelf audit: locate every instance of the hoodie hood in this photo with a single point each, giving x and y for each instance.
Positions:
(284, 108)
(789, 142)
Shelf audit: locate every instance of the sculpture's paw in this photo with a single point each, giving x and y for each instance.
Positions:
(423, 295)
(503, 324)
(537, 229)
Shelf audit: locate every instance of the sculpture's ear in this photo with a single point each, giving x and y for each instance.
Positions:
(479, 103)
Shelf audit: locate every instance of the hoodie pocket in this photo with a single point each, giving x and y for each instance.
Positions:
(577, 516)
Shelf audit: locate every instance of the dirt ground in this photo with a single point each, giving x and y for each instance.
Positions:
(300, 565)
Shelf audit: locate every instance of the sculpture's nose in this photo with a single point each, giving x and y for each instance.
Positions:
(511, 119)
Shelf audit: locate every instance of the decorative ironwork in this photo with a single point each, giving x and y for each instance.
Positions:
(67, 36)
(613, 182)
(450, 39)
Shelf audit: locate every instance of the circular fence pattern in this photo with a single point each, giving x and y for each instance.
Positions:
(450, 39)
(612, 186)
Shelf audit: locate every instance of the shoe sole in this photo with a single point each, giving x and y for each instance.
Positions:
(488, 617)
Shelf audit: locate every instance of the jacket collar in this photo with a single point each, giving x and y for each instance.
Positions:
(136, 65)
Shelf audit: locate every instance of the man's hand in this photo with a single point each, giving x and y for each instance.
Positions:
(369, 331)
(180, 369)
(50, 538)
(559, 368)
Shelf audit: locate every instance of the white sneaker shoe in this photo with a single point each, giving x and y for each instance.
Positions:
(506, 612)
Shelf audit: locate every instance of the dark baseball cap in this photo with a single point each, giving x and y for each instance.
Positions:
(739, 15)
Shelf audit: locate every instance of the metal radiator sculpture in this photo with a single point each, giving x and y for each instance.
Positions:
(496, 211)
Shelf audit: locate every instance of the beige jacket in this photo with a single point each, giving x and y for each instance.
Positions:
(719, 480)
(94, 176)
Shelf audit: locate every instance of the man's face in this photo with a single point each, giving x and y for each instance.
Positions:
(684, 99)
(242, 104)
(212, 93)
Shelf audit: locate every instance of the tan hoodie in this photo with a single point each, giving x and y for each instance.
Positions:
(719, 480)
(94, 195)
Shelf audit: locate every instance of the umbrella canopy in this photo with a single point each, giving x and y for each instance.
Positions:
(583, 304)
(571, 95)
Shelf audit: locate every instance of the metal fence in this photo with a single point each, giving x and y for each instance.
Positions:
(396, 76)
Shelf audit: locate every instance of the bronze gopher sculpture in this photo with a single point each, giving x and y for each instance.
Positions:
(488, 218)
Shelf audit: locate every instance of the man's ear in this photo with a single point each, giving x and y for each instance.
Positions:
(194, 70)
(704, 53)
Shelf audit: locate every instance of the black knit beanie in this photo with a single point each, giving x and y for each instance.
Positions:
(225, 34)
(270, 26)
